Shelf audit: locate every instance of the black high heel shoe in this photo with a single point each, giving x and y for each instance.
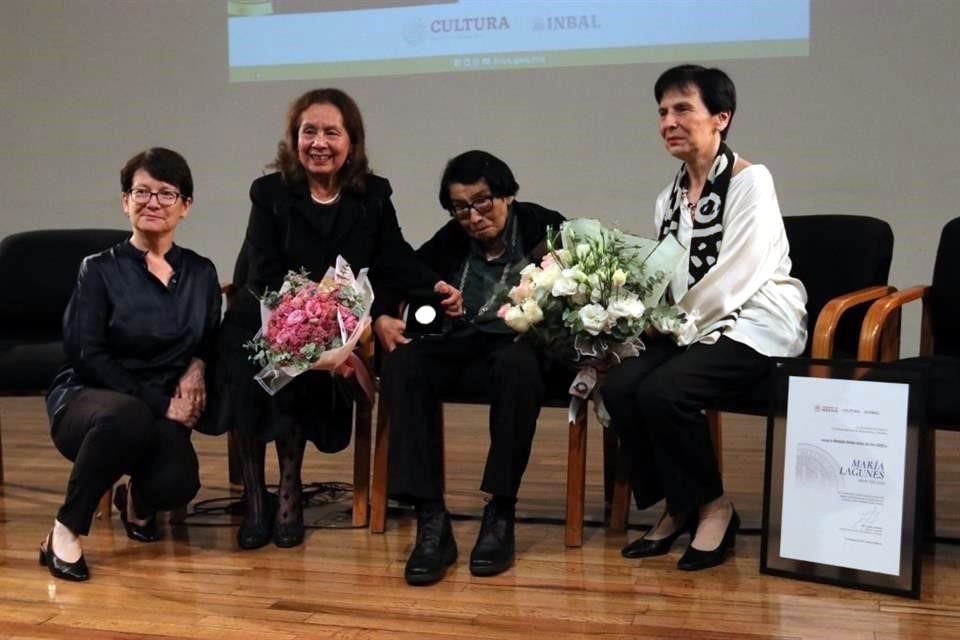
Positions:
(645, 548)
(695, 559)
(139, 532)
(255, 533)
(73, 571)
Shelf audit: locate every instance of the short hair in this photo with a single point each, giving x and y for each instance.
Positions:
(716, 88)
(162, 164)
(354, 172)
(472, 167)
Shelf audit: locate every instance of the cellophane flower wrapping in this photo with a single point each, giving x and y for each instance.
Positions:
(309, 325)
(594, 293)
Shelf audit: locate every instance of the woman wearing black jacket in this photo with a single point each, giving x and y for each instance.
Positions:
(489, 237)
(323, 202)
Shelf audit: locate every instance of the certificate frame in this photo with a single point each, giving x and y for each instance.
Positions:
(906, 582)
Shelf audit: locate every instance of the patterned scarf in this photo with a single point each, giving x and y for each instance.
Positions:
(708, 217)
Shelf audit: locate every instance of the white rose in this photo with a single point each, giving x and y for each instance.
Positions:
(564, 286)
(516, 320)
(529, 270)
(532, 312)
(544, 278)
(626, 307)
(619, 278)
(594, 318)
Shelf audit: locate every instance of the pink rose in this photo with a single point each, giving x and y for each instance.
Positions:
(296, 317)
(502, 311)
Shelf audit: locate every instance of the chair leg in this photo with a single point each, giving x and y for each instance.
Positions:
(715, 426)
(1, 454)
(620, 501)
(576, 478)
(610, 449)
(361, 463)
(930, 505)
(233, 463)
(378, 489)
(105, 505)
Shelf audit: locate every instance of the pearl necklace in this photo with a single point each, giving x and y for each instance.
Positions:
(329, 200)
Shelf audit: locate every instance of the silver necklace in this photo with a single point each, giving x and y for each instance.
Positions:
(503, 274)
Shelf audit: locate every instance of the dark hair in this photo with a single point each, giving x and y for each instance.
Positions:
(472, 167)
(162, 164)
(354, 171)
(716, 88)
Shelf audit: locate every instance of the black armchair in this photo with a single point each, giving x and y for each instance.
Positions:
(939, 353)
(843, 262)
(38, 271)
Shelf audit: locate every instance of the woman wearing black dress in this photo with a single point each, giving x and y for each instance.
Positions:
(322, 202)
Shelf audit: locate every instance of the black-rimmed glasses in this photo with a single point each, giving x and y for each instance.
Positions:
(482, 205)
(165, 197)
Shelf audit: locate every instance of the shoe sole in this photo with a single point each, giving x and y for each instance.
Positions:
(490, 570)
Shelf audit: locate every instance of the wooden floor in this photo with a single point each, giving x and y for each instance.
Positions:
(347, 583)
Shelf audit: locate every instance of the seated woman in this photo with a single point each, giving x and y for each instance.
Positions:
(137, 333)
(743, 306)
(322, 202)
(489, 236)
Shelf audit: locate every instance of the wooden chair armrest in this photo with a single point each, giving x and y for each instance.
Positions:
(879, 314)
(366, 346)
(826, 327)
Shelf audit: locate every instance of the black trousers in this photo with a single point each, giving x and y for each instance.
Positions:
(416, 376)
(109, 434)
(656, 404)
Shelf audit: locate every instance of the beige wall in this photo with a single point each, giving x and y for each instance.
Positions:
(866, 124)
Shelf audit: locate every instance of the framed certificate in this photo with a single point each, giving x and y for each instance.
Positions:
(842, 479)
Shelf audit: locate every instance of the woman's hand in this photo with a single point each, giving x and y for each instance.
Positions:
(191, 386)
(182, 410)
(453, 302)
(390, 332)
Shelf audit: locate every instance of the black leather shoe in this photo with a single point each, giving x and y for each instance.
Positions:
(695, 560)
(645, 548)
(141, 533)
(495, 546)
(434, 551)
(73, 571)
(255, 533)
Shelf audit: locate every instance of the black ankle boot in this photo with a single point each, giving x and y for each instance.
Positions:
(434, 551)
(495, 546)
(254, 531)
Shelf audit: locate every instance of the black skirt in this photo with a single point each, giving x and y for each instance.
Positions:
(319, 402)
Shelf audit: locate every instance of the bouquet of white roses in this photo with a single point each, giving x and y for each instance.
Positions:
(591, 298)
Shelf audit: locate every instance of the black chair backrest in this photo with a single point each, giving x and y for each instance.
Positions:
(837, 254)
(38, 272)
(944, 292)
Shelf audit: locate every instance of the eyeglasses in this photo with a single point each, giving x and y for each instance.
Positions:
(165, 197)
(482, 205)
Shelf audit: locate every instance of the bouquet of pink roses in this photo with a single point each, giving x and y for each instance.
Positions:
(311, 325)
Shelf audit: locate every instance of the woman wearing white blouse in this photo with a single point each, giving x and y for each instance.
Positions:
(742, 307)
